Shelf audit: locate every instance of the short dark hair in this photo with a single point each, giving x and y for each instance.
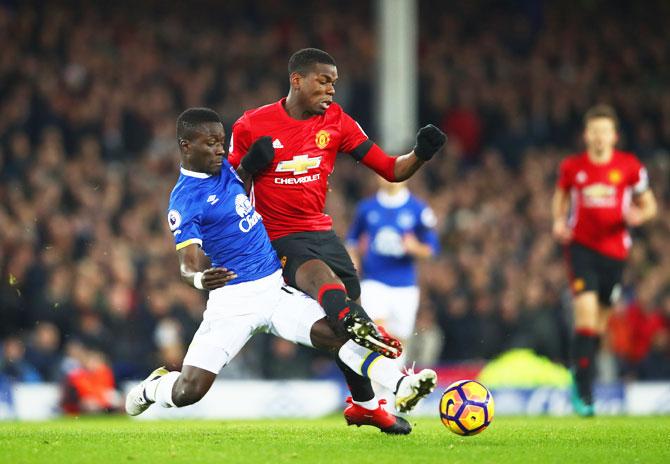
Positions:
(303, 60)
(601, 111)
(189, 120)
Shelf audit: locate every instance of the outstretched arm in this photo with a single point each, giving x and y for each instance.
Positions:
(406, 165)
(429, 140)
(190, 258)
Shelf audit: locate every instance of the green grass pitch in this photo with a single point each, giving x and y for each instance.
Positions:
(508, 440)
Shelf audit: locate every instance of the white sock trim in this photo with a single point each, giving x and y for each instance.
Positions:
(370, 404)
(150, 389)
(369, 364)
(163, 392)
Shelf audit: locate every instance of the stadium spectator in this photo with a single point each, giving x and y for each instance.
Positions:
(638, 333)
(656, 364)
(90, 387)
(13, 364)
(43, 351)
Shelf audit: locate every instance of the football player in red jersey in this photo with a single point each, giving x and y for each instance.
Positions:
(308, 129)
(600, 194)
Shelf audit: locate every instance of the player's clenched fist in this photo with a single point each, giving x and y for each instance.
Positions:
(259, 156)
(429, 140)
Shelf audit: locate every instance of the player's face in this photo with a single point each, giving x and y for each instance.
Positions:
(206, 149)
(318, 88)
(600, 135)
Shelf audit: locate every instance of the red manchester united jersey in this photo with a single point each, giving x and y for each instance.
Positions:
(600, 195)
(291, 193)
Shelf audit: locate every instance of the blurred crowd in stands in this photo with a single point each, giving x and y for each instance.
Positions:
(88, 101)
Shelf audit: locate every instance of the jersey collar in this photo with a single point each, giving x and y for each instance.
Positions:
(199, 175)
(285, 116)
(393, 201)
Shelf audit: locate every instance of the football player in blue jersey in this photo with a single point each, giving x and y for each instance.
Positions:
(211, 217)
(390, 231)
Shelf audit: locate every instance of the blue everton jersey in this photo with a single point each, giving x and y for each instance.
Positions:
(215, 213)
(384, 220)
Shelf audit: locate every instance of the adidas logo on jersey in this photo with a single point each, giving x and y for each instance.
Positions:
(277, 144)
(212, 200)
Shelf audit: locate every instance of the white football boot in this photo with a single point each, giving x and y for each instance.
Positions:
(136, 401)
(413, 388)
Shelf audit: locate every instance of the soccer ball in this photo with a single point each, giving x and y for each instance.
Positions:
(466, 407)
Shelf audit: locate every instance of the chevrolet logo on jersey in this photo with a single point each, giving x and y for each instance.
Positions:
(300, 164)
(599, 196)
(599, 190)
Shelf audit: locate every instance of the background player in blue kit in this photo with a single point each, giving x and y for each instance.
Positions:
(211, 218)
(390, 231)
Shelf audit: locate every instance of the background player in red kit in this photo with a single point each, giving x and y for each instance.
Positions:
(606, 191)
(308, 130)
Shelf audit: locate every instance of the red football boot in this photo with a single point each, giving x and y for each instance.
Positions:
(380, 418)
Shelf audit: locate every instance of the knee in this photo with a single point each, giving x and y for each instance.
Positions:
(187, 391)
(311, 275)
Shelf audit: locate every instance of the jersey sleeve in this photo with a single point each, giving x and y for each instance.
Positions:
(184, 224)
(565, 178)
(639, 177)
(352, 134)
(357, 227)
(425, 229)
(240, 141)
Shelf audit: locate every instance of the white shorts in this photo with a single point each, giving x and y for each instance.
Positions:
(236, 312)
(394, 307)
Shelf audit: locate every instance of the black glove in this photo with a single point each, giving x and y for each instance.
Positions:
(429, 140)
(259, 156)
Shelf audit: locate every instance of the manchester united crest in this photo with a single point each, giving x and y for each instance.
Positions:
(615, 176)
(322, 139)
